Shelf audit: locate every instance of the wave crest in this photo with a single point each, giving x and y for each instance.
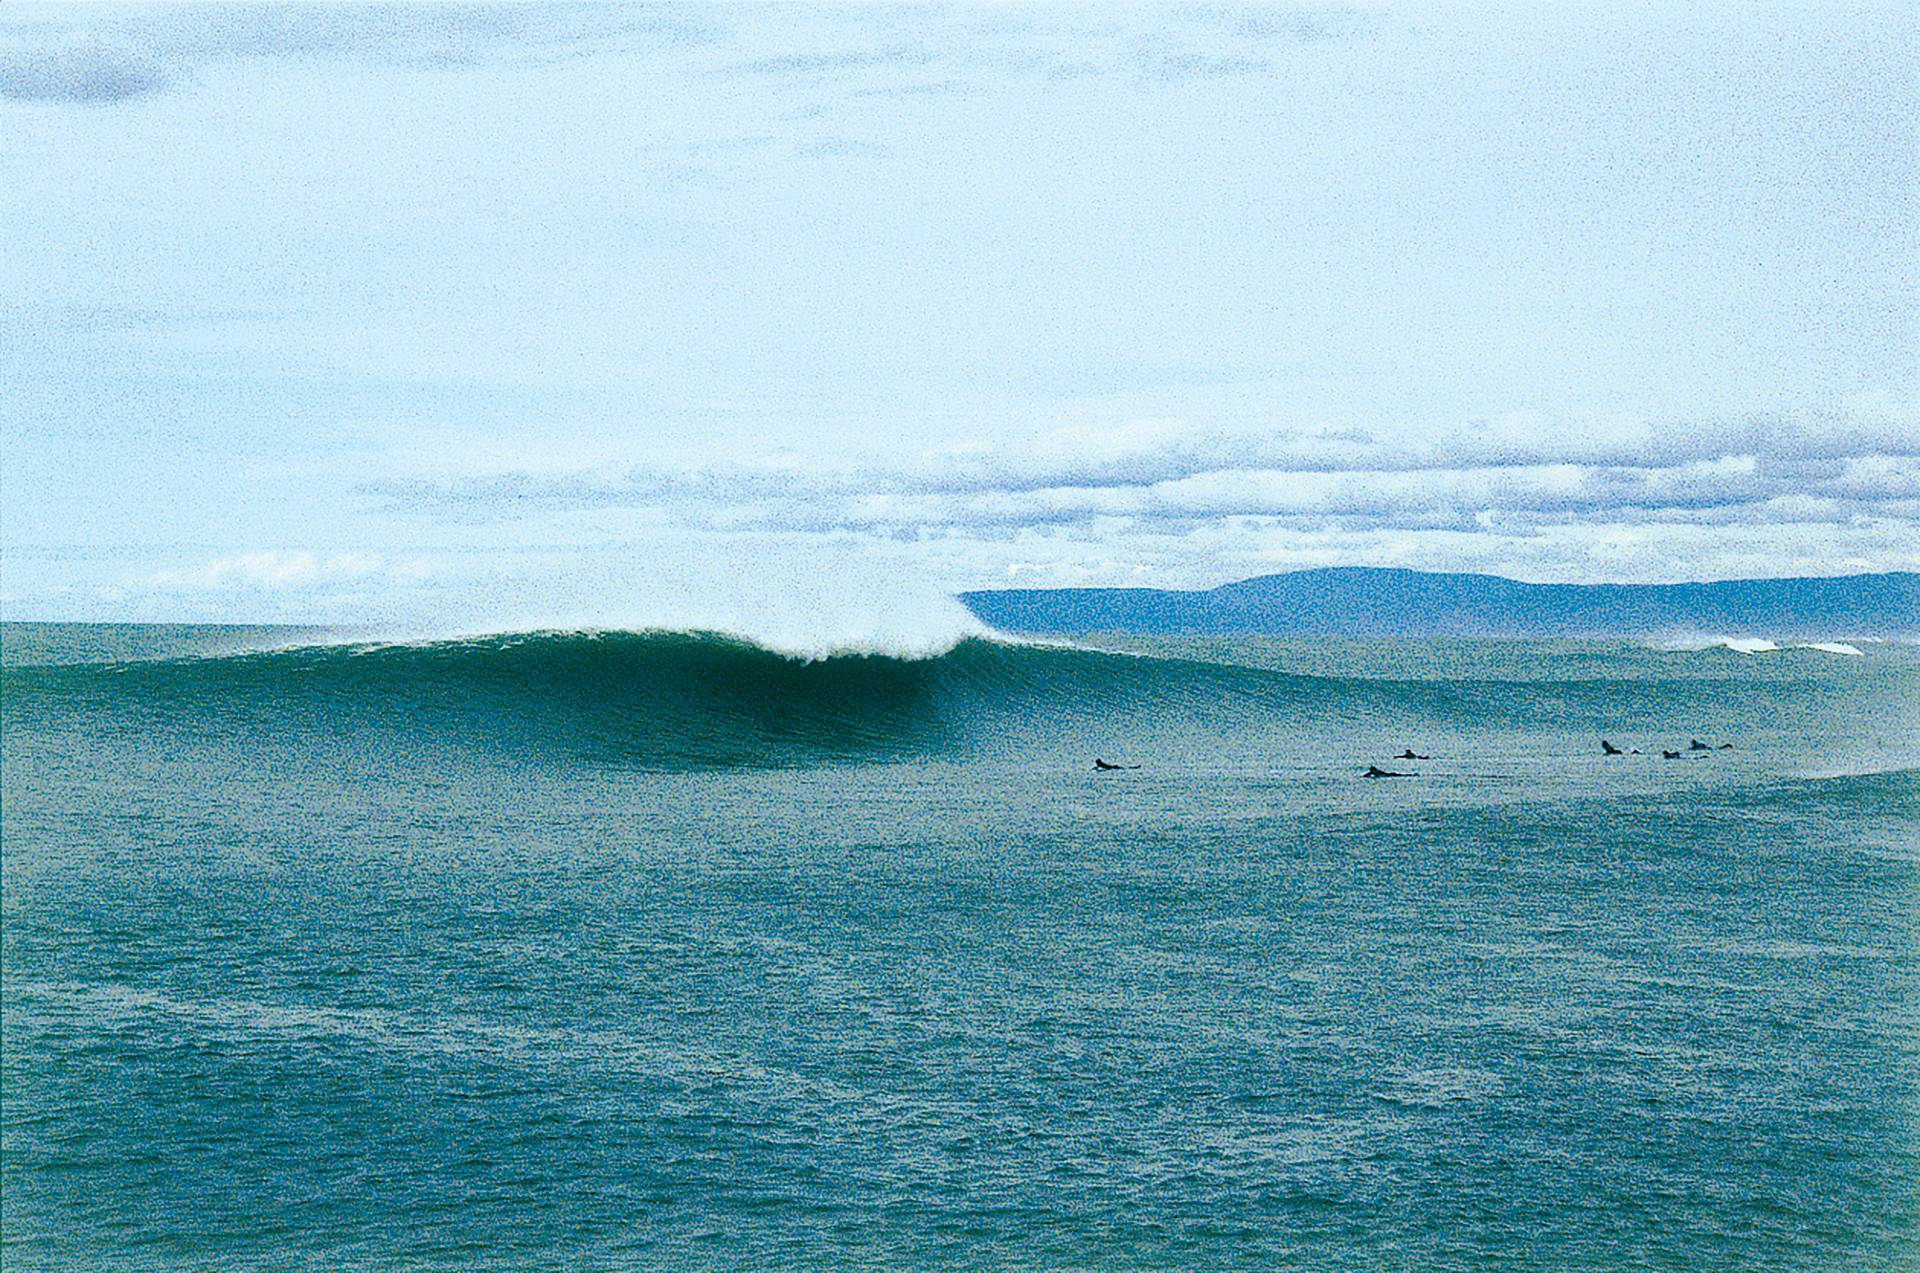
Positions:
(1752, 645)
(652, 699)
(697, 700)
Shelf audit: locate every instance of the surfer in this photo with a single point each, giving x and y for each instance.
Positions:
(1104, 766)
(1609, 749)
(1375, 771)
(1669, 755)
(1410, 754)
(1697, 745)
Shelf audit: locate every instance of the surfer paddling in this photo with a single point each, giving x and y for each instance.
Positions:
(1106, 767)
(1375, 771)
(1411, 754)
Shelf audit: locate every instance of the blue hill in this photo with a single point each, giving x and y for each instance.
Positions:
(1366, 601)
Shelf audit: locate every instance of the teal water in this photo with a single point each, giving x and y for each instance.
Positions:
(630, 951)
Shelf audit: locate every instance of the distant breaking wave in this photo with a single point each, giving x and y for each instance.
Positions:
(1754, 645)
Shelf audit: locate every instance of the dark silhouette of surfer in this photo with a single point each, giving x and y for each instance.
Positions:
(1697, 745)
(1411, 754)
(1670, 755)
(1375, 771)
(1609, 749)
(1104, 767)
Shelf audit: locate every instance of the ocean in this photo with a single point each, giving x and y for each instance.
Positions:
(606, 950)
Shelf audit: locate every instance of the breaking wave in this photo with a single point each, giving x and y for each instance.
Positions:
(693, 700)
(1754, 645)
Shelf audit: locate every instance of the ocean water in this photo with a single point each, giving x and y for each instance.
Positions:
(615, 950)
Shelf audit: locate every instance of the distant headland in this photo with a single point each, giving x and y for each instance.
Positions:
(1369, 601)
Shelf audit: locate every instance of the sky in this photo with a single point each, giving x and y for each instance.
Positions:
(774, 317)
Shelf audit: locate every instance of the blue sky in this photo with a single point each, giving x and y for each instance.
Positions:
(717, 313)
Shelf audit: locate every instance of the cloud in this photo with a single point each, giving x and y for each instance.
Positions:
(1306, 24)
(926, 88)
(1512, 476)
(109, 54)
(839, 148)
(1159, 60)
(838, 62)
(279, 570)
(82, 71)
(889, 52)
(1520, 464)
(430, 34)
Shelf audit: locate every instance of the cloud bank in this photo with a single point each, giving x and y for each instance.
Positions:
(111, 55)
(1511, 476)
(101, 55)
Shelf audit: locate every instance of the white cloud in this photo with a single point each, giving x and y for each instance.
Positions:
(1518, 472)
(282, 570)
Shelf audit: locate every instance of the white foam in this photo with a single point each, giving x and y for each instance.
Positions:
(1753, 645)
(1738, 644)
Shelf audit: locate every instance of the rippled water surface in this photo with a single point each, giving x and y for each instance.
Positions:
(623, 950)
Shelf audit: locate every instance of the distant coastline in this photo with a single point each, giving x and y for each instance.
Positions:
(1371, 601)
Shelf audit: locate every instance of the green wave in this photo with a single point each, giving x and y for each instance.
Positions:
(690, 700)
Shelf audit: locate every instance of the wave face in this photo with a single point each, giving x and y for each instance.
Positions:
(692, 700)
(667, 700)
